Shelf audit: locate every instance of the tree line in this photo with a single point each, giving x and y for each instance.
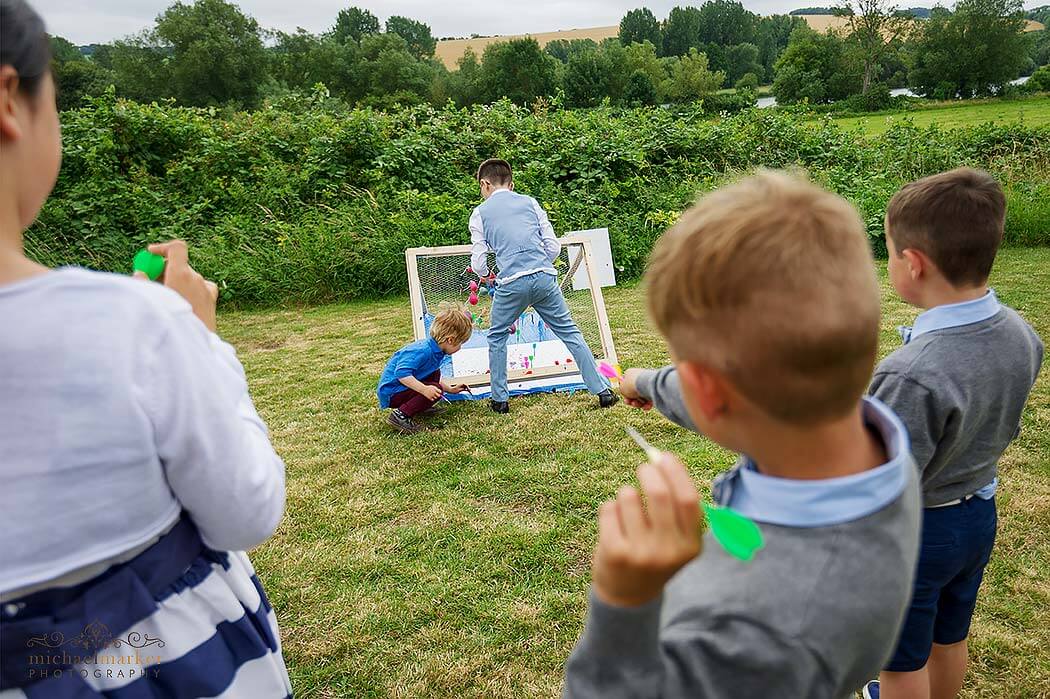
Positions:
(209, 53)
(974, 50)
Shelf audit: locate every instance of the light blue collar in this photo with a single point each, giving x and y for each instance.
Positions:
(952, 315)
(820, 503)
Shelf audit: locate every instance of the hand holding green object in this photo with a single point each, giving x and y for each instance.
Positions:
(738, 535)
(149, 264)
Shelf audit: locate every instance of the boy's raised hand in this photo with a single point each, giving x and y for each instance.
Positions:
(640, 548)
(186, 281)
(629, 390)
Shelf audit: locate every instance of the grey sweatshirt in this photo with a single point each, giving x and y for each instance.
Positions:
(815, 614)
(960, 392)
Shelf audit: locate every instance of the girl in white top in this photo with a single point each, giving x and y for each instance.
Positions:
(134, 469)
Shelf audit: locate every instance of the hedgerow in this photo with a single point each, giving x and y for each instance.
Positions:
(310, 202)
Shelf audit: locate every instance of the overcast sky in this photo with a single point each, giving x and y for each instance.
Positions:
(88, 21)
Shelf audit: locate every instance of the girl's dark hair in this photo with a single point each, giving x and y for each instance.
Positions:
(24, 44)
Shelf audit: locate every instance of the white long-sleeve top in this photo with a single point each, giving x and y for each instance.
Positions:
(119, 410)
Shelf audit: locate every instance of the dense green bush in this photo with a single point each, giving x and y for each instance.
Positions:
(311, 202)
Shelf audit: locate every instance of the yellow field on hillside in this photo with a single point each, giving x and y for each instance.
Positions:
(449, 51)
(823, 23)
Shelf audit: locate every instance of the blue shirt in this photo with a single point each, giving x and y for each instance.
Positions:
(517, 229)
(419, 359)
(952, 315)
(824, 502)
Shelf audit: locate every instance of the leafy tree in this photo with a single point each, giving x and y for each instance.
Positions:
(564, 49)
(216, 53)
(716, 56)
(75, 80)
(893, 66)
(102, 55)
(681, 31)
(517, 70)
(142, 70)
(638, 26)
(465, 86)
(740, 60)
(1040, 80)
(816, 67)
(559, 49)
(771, 36)
(691, 79)
(586, 81)
(63, 50)
(748, 81)
(421, 42)
(642, 57)
(391, 69)
(353, 24)
(614, 58)
(973, 51)
(640, 90)
(75, 76)
(1040, 45)
(302, 60)
(726, 23)
(875, 25)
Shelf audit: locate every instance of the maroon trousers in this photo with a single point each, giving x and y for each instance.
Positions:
(411, 403)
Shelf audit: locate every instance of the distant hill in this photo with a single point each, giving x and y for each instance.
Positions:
(824, 23)
(448, 52)
(921, 12)
(1039, 14)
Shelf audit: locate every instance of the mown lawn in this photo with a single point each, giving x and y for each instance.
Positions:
(455, 564)
(1032, 111)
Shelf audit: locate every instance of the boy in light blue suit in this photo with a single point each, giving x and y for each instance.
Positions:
(516, 228)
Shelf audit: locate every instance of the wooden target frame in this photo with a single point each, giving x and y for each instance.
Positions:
(583, 255)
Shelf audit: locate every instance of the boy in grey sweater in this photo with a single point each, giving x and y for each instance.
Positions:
(770, 361)
(959, 384)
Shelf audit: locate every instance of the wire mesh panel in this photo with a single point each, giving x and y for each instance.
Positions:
(535, 355)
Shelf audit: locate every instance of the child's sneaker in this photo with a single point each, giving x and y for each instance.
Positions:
(871, 690)
(607, 399)
(404, 424)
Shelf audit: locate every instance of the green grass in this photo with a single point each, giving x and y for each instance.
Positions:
(456, 564)
(1032, 111)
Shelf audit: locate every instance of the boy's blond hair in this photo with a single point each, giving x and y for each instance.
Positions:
(956, 218)
(771, 281)
(452, 322)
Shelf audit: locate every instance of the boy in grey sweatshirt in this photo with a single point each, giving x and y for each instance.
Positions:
(959, 384)
(766, 293)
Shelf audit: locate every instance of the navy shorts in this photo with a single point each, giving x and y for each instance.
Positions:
(956, 545)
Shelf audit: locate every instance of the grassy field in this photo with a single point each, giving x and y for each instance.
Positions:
(1032, 111)
(455, 564)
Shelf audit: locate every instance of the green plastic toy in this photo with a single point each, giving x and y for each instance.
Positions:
(738, 535)
(149, 264)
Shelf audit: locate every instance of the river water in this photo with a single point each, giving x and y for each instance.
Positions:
(764, 102)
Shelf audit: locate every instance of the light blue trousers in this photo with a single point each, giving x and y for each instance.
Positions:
(539, 290)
